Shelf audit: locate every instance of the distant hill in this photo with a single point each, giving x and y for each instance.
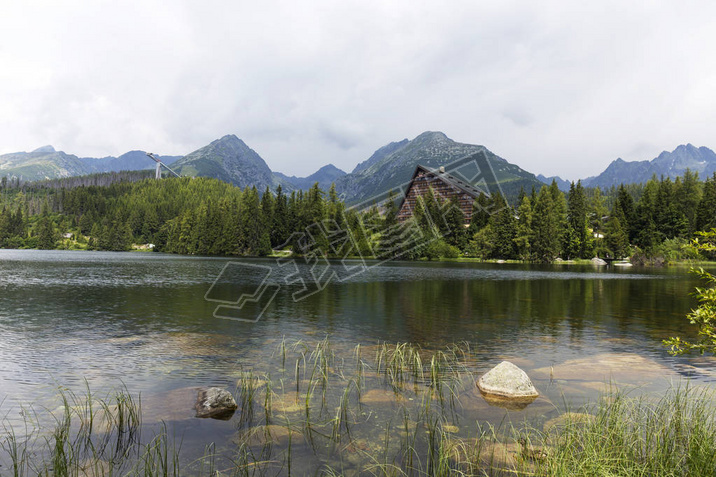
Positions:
(42, 163)
(325, 176)
(394, 164)
(47, 163)
(130, 161)
(668, 164)
(229, 159)
(561, 183)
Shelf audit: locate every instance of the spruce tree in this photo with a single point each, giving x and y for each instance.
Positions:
(46, 236)
(480, 213)
(688, 196)
(706, 213)
(504, 228)
(251, 221)
(280, 221)
(545, 245)
(577, 240)
(457, 234)
(616, 237)
(523, 235)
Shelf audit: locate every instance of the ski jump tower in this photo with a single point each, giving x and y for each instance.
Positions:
(160, 164)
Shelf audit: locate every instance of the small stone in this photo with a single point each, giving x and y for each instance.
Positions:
(216, 403)
(506, 382)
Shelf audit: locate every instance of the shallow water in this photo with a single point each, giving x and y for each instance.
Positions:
(141, 320)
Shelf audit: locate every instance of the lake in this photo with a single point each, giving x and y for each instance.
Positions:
(142, 321)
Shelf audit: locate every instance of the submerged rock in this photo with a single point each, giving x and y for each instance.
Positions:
(216, 403)
(173, 405)
(605, 368)
(475, 455)
(270, 434)
(380, 396)
(569, 419)
(507, 386)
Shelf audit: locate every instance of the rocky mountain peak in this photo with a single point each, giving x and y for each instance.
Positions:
(426, 137)
(45, 150)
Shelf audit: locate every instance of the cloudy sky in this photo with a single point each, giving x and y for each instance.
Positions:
(556, 87)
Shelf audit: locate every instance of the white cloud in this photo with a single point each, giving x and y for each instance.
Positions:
(556, 87)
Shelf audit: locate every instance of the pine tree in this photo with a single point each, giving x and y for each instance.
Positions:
(504, 228)
(46, 236)
(626, 211)
(670, 220)
(646, 235)
(577, 240)
(280, 223)
(597, 218)
(616, 237)
(545, 245)
(706, 213)
(336, 208)
(688, 196)
(559, 211)
(390, 215)
(523, 235)
(5, 219)
(480, 213)
(389, 234)
(251, 221)
(457, 235)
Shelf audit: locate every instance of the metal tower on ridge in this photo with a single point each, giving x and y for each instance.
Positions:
(158, 173)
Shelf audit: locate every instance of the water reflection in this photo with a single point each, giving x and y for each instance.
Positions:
(142, 319)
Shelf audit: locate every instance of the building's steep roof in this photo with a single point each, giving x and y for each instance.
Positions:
(450, 179)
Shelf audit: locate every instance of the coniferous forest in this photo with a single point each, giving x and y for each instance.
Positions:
(125, 211)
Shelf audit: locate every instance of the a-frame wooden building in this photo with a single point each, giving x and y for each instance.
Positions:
(444, 186)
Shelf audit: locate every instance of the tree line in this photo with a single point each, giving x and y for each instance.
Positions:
(659, 217)
(208, 217)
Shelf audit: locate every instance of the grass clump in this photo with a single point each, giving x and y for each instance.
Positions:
(674, 436)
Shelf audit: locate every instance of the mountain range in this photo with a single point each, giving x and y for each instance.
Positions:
(325, 176)
(391, 166)
(668, 164)
(230, 159)
(47, 163)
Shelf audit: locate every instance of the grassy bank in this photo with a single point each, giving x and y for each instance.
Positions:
(384, 410)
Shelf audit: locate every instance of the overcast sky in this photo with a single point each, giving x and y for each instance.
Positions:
(556, 87)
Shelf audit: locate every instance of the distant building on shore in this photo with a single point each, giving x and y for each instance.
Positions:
(445, 186)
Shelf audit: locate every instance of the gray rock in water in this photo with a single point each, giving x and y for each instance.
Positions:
(598, 261)
(216, 403)
(506, 382)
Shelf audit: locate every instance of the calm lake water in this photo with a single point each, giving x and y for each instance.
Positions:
(141, 320)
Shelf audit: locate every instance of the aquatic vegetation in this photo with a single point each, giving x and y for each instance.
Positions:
(384, 410)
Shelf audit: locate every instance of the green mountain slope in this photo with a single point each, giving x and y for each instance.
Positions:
(430, 149)
(228, 159)
(47, 163)
(42, 163)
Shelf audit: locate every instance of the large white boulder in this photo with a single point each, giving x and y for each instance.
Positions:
(507, 381)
